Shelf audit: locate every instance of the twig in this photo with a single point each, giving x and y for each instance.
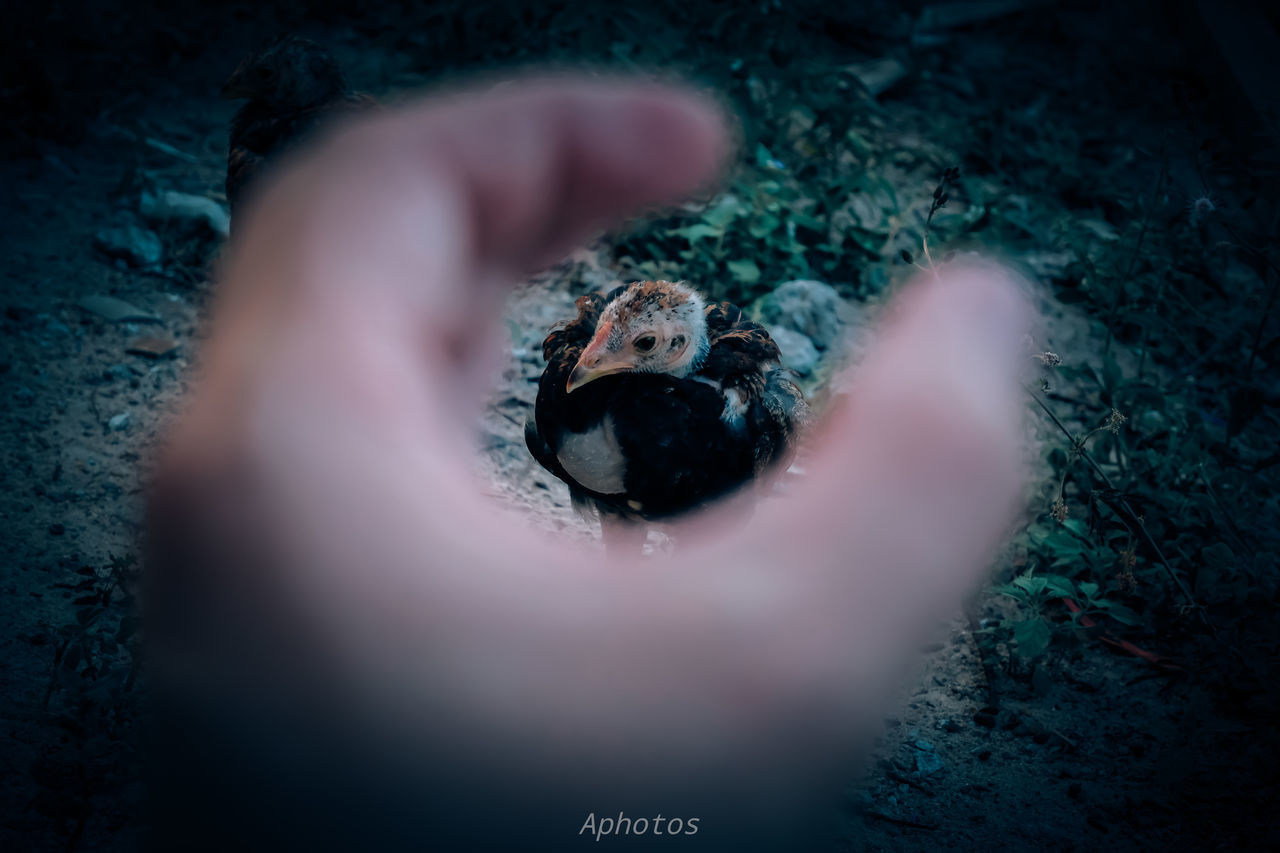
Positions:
(1068, 741)
(170, 150)
(1124, 505)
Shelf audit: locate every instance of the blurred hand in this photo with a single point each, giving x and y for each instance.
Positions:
(324, 539)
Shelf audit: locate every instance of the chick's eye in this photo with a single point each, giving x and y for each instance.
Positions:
(645, 343)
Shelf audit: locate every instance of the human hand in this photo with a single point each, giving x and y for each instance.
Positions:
(347, 356)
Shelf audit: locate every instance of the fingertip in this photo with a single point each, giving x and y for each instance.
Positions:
(673, 138)
(941, 380)
(545, 161)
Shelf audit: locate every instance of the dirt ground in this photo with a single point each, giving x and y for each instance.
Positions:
(1082, 751)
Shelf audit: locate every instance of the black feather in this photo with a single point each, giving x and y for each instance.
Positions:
(680, 451)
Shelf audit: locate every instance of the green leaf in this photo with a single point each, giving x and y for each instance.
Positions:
(722, 212)
(744, 271)
(1220, 557)
(1123, 614)
(1032, 636)
(1013, 592)
(862, 148)
(868, 215)
(697, 231)
(803, 220)
(1077, 526)
(1059, 586)
(1217, 570)
(1089, 590)
(1033, 586)
(764, 157)
(763, 226)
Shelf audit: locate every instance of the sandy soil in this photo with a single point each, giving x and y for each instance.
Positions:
(1078, 752)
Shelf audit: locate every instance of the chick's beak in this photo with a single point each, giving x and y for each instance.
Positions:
(595, 363)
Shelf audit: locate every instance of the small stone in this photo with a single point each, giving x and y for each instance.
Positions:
(116, 310)
(928, 763)
(951, 726)
(56, 529)
(136, 246)
(153, 346)
(173, 206)
(1152, 422)
(798, 352)
(117, 372)
(878, 75)
(812, 308)
(119, 422)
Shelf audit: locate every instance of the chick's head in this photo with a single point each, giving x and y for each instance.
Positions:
(651, 327)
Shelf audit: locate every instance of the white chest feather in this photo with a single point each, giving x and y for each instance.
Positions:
(594, 459)
(734, 406)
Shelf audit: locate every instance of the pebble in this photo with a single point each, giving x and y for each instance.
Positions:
(928, 763)
(119, 422)
(811, 308)
(798, 352)
(156, 345)
(136, 246)
(117, 372)
(170, 206)
(116, 310)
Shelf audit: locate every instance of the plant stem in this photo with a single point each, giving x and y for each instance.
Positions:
(1128, 510)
